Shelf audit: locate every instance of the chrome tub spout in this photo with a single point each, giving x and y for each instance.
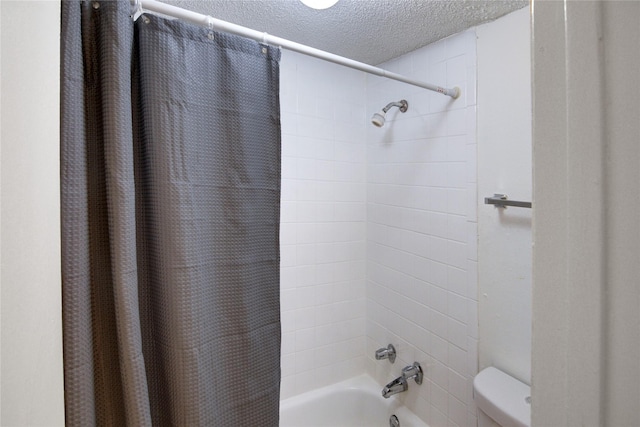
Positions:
(394, 387)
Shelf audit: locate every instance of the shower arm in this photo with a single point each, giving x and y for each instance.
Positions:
(402, 105)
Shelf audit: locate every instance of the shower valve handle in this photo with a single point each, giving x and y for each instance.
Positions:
(386, 353)
(413, 371)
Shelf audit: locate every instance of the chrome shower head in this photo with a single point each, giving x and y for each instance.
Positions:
(379, 118)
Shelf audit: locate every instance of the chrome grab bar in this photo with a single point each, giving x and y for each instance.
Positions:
(501, 201)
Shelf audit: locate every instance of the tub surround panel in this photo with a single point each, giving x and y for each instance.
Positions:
(422, 231)
(323, 228)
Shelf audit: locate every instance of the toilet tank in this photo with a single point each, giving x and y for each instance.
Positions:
(503, 398)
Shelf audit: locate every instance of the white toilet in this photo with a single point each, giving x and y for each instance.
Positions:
(501, 399)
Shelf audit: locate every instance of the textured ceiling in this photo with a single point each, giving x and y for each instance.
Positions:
(370, 31)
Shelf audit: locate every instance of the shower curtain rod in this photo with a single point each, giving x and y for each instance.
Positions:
(140, 6)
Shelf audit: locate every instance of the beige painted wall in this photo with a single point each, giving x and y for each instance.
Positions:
(31, 331)
(586, 297)
(621, 23)
(504, 166)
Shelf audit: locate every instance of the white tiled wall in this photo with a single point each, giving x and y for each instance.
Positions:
(378, 233)
(323, 228)
(422, 230)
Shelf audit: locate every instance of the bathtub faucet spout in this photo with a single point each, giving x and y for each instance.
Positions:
(400, 384)
(394, 387)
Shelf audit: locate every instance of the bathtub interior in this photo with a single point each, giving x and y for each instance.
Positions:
(353, 403)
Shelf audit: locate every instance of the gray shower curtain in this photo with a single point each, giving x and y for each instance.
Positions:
(170, 147)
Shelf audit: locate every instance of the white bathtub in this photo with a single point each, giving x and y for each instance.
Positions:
(352, 403)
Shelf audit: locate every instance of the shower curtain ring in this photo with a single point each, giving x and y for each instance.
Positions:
(210, 24)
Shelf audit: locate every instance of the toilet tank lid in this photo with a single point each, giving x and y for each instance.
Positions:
(502, 397)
